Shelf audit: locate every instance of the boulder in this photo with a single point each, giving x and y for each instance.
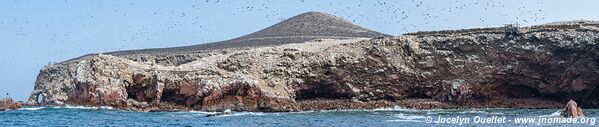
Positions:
(572, 110)
(19, 104)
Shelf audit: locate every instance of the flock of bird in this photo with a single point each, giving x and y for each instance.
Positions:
(42, 34)
(400, 11)
(408, 15)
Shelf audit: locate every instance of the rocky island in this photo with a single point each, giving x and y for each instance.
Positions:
(316, 61)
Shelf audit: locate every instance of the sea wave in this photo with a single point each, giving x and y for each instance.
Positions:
(463, 111)
(301, 112)
(201, 112)
(66, 107)
(554, 114)
(408, 118)
(394, 108)
(240, 114)
(477, 111)
(397, 108)
(83, 107)
(32, 108)
(403, 109)
(400, 120)
(226, 113)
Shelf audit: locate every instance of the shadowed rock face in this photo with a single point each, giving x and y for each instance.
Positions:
(530, 67)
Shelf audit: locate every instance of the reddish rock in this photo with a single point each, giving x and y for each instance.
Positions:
(19, 104)
(7, 103)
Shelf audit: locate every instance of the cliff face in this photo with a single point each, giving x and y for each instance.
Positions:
(531, 67)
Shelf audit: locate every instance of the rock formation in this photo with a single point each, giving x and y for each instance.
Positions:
(572, 110)
(529, 67)
(7, 103)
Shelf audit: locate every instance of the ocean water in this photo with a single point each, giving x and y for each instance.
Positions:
(105, 116)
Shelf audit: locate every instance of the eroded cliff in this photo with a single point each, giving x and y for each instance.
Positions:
(530, 67)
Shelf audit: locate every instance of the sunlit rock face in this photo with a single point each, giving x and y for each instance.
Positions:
(572, 110)
(8, 104)
(529, 67)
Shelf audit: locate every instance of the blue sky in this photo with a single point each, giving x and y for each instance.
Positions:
(34, 33)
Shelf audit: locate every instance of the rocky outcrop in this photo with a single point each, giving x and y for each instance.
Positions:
(530, 67)
(572, 110)
(7, 103)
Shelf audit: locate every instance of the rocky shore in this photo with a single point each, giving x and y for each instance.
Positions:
(540, 66)
(8, 104)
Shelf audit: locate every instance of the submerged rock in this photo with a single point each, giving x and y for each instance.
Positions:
(572, 110)
(528, 67)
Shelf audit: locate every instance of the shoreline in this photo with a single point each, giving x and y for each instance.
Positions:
(335, 105)
(508, 67)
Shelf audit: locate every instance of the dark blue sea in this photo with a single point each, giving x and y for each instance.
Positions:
(387, 117)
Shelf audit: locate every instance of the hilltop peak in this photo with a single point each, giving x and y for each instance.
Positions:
(316, 14)
(314, 24)
(297, 29)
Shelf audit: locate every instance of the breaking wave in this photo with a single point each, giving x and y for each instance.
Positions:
(554, 114)
(226, 113)
(200, 112)
(240, 114)
(66, 107)
(397, 108)
(412, 110)
(32, 108)
(394, 108)
(407, 118)
(83, 107)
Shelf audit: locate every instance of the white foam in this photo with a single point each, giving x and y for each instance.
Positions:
(84, 107)
(300, 112)
(408, 117)
(240, 114)
(397, 108)
(460, 111)
(554, 114)
(473, 112)
(32, 108)
(201, 112)
(402, 109)
(399, 120)
(394, 108)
